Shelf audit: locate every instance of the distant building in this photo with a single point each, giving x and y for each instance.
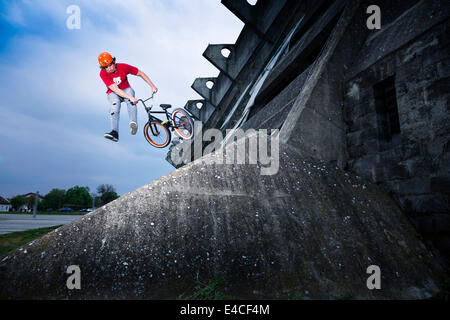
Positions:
(28, 206)
(5, 206)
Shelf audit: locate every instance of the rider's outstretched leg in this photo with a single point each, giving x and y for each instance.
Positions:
(114, 115)
(132, 111)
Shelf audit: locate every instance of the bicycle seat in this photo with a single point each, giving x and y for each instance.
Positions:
(165, 106)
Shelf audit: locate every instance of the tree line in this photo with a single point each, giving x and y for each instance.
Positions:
(76, 198)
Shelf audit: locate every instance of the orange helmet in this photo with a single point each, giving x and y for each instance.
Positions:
(105, 59)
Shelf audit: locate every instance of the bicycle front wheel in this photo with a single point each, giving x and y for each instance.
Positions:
(156, 134)
(183, 123)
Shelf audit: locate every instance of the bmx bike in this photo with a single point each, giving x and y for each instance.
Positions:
(158, 132)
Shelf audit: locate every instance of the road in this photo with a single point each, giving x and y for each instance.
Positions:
(21, 222)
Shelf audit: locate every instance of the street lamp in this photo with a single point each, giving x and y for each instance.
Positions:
(35, 204)
(93, 195)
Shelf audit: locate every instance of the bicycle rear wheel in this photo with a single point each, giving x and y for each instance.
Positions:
(156, 134)
(183, 123)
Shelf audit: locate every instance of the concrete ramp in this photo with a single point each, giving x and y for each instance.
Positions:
(310, 230)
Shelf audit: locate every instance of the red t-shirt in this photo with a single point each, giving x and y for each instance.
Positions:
(119, 77)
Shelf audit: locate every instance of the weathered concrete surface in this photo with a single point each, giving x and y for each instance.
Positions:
(314, 122)
(311, 229)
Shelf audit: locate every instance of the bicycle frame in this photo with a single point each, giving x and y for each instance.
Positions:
(153, 118)
(155, 126)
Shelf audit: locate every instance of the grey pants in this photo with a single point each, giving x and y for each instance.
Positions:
(114, 111)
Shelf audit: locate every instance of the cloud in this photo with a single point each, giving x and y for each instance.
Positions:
(166, 43)
(54, 108)
(56, 153)
(14, 15)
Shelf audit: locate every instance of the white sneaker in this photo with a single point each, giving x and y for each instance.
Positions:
(133, 127)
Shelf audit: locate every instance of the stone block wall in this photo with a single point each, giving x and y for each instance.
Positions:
(415, 165)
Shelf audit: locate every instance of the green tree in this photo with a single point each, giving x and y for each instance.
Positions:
(78, 197)
(97, 200)
(29, 201)
(107, 193)
(54, 199)
(17, 202)
(40, 206)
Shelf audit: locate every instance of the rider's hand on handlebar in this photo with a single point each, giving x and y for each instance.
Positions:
(133, 100)
(154, 90)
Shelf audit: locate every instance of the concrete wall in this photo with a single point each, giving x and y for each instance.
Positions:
(320, 92)
(311, 229)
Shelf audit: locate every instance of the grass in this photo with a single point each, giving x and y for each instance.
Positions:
(14, 240)
(207, 291)
(295, 296)
(348, 296)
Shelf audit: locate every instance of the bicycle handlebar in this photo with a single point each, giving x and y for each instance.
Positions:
(143, 101)
(147, 98)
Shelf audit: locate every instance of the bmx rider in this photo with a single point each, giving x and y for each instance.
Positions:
(114, 75)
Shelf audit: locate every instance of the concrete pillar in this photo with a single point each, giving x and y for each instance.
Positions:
(260, 16)
(191, 106)
(213, 54)
(203, 113)
(200, 87)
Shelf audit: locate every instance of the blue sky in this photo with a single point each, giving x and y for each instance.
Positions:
(53, 107)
